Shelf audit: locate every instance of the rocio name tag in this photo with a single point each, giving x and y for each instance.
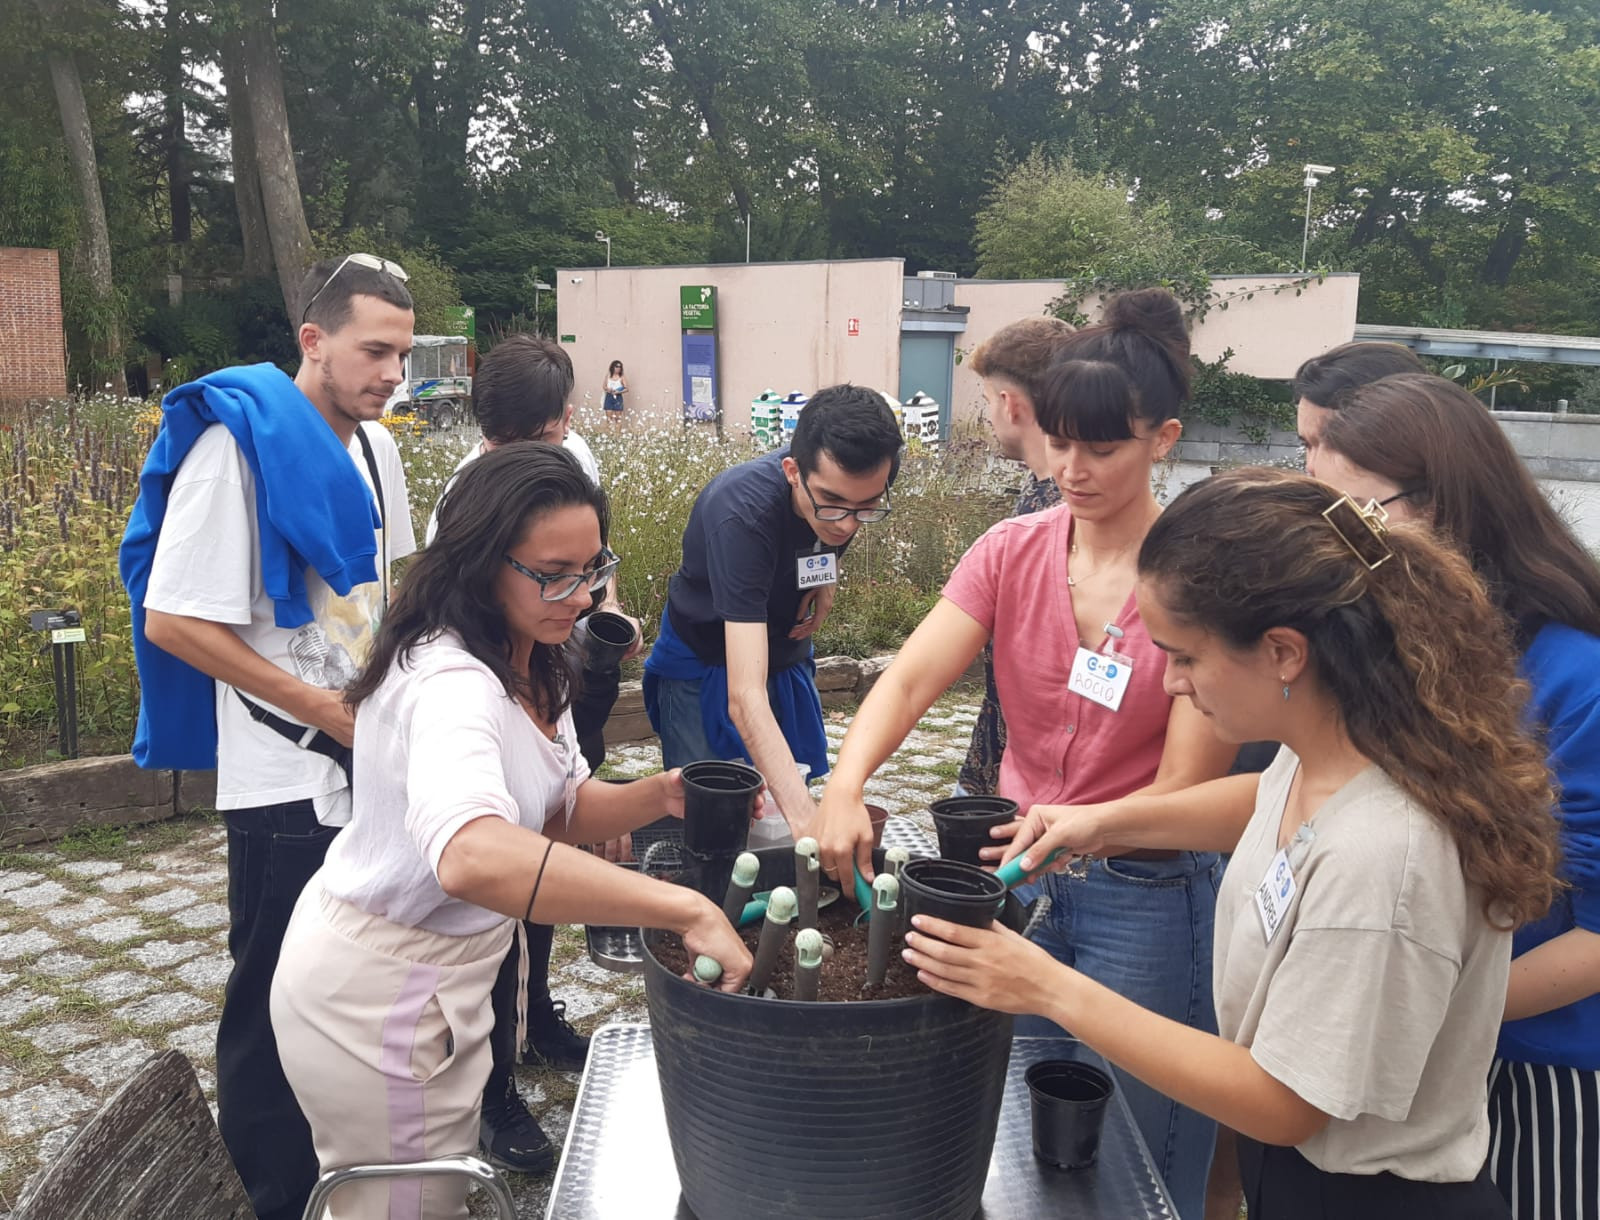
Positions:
(1100, 678)
(813, 569)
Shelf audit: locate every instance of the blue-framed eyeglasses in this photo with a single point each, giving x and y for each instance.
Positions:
(558, 586)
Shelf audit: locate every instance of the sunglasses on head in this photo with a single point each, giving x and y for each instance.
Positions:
(370, 261)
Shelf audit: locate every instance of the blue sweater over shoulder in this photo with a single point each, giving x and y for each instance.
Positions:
(313, 510)
(1563, 667)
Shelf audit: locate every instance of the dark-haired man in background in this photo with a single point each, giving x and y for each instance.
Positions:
(731, 675)
(269, 599)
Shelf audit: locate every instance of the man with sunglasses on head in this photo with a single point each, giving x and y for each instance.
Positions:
(731, 674)
(522, 392)
(258, 560)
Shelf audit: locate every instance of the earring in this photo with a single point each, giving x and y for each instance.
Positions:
(1285, 687)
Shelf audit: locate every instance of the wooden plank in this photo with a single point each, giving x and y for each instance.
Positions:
(42, 803)
(152, 1152)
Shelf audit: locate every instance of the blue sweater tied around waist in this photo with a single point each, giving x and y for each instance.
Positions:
(313, 510)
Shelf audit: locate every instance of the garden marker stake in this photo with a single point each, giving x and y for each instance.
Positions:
(745, 870)
(780, 912)
(886, 898)
(807, 879)
(894, 859)
(707, 970)
(808, 964)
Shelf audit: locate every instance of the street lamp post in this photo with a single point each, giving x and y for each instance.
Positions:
(1311, 181)
(600, 235)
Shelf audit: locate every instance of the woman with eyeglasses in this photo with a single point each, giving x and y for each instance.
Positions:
(1080, 689)
(469, 790)
(1427, 450)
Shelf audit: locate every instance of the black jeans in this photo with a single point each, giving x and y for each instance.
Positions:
(1280, 1184)
(273, 850)
(503, 999)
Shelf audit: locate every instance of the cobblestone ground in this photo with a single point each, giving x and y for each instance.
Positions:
(114, 946)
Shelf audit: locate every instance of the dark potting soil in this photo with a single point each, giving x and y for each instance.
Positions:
(843, 974)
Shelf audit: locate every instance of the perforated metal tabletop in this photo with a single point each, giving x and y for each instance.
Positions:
(617, 1163)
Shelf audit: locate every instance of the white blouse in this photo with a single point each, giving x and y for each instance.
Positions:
(437, 745)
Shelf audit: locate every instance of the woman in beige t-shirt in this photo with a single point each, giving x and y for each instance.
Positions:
(1363, 931)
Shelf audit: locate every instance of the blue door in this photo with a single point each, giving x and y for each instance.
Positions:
(928, 363)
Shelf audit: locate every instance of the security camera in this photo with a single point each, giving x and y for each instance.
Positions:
(1319, 169)
(577, 279)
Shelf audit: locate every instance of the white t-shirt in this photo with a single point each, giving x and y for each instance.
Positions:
(1378, 999)
(574, 444)
(440, 744)
(208, 566)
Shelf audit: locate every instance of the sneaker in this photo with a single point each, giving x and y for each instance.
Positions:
(552, 1042)
(511, 1138)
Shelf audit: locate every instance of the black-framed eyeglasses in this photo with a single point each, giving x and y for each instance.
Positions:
(558, 586)
(833, 512)
(1399, 495)
(370, 261)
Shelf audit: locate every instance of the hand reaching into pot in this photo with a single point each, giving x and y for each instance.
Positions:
(843, 831)
(711, 934)
(991, 967)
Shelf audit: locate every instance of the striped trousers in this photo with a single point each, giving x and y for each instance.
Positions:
(384, 1035)
(1544, 1140)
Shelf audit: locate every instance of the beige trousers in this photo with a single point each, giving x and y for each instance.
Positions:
(384, 1035)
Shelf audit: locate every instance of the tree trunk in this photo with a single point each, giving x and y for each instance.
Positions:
(246, 177)
(177, 140)
(106, 327)
(280, 183)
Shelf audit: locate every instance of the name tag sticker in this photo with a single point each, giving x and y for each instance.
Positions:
(813, 569)
(1274, 894)
(1100, 678)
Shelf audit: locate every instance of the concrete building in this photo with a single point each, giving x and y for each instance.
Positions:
(799, 326)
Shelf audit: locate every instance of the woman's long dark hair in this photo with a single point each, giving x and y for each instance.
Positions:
(1443, 449)
(450, 586)
(1413, 653)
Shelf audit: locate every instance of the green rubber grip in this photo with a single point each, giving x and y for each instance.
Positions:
(1011, 874)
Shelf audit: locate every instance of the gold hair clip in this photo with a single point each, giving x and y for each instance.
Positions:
(1361, 529)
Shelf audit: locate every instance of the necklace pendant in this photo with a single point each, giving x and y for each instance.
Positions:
(1071, 584)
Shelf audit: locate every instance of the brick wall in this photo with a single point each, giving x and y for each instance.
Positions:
(33, 359)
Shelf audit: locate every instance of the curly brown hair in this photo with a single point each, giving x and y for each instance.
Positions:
(1416, 658)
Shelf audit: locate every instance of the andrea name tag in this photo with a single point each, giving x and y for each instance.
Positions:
(1274, 894)
(1100, 678)
(816, 568)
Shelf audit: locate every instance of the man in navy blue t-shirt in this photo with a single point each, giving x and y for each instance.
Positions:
(731, 674)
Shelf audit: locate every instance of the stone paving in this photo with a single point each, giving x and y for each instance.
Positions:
(113, 947)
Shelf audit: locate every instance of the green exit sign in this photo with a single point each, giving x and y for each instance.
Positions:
(698, 305)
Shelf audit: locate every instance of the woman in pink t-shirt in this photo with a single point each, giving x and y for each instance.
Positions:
(1080, 687)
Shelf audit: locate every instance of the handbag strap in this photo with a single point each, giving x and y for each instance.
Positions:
(383, 508)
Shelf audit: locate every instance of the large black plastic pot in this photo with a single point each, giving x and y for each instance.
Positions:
(874, 1110)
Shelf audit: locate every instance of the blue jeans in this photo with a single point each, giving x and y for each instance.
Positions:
(683, 731)
(273, 850)
(1143, 928)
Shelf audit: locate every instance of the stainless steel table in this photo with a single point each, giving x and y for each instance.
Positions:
(617, 1163)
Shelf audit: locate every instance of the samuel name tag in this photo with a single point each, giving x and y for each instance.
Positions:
(1274, 894)
(816, 568)
(1100, 678)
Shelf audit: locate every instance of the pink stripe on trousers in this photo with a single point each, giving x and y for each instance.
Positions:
(407, 1119)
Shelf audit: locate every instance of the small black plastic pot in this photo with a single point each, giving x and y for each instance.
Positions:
(610, 637)
(719, 799)
(1069, 1104)
(801, 1111)
(964, 822)
(949, 889)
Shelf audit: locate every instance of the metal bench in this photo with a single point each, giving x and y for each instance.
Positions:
(153, 1152)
